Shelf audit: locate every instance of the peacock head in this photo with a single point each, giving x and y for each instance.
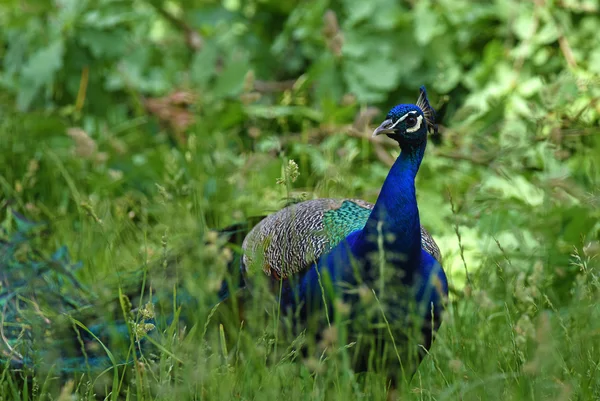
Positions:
(409, 123)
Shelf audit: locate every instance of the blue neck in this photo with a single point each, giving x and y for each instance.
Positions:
(396, 214)
(395, 218)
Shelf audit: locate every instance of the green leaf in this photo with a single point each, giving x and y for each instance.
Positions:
(524, 24)
(39, 72)
(369, 79)
(359, 43)
(426, 22)
(231, 81)
(541, 56)
(548, 34)
(594, 60)
(531, 86)
(111, 14)
(329, 85)
(382, 14)
(203, 64)
(448, 78)
(517, 188)
(360, 11)
(109, 44)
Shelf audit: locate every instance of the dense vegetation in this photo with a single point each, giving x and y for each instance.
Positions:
(132, 127)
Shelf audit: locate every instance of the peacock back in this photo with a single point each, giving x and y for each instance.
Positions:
(292, 239)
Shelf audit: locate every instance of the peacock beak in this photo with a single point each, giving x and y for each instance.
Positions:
(386, 127)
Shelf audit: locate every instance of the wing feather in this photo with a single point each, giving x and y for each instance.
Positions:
(292, 239)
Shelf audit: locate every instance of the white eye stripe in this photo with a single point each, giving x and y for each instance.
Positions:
(417, 125)
(404, 117)
(410, 113)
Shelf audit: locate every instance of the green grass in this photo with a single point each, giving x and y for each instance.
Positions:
(523, 326)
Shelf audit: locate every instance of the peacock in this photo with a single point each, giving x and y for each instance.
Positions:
(323, 253)
(374, 259)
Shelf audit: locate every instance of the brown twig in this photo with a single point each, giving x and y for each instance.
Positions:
(383, 155)
(378, 144)
(83, 84)
(566, 50)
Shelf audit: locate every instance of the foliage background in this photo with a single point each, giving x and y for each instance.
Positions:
(132, 126)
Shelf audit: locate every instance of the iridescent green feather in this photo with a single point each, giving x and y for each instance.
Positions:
(339, 223)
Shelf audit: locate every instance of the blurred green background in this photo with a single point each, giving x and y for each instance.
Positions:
(132, 126)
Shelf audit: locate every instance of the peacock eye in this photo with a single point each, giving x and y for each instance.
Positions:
(411, 121)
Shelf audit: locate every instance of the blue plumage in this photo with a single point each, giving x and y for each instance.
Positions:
(385, 256)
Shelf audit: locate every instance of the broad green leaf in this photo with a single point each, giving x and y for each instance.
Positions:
(525, 23)
(203, 64)
(426, 23)
(111, 15)
(104, 43)
(594, 60)
(360, 11)
(549, 33)
(231, 81)
(517, 188)
(530, 86)
(39, 71)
